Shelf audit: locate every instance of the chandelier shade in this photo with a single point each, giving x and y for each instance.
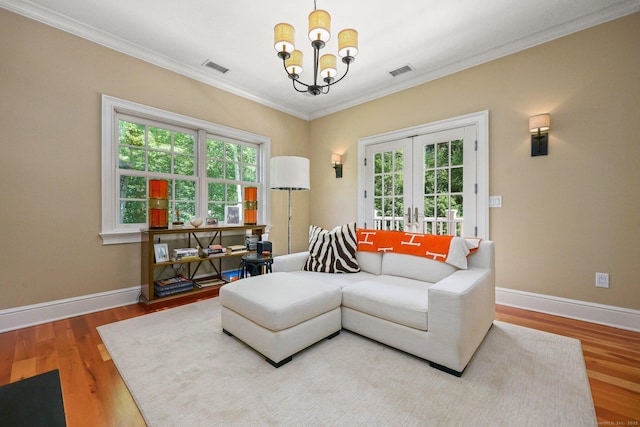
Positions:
(348, 43)
(319, 26)
(328, 66)
(293, 64)
(284, 35)
(324, 66)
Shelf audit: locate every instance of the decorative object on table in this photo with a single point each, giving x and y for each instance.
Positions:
(319, 34)
(235, 249)
(289, 173)
(251, 205)
(177, 223)
(231, 275)
(232, 215)
(251, 242)
(161, 252)
(175, 285)
(264, 246)
(212, 222)
(184, 254)
(158, 204)
(196, 222)
(214, 250)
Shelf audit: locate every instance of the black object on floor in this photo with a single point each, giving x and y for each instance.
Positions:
(35, 401)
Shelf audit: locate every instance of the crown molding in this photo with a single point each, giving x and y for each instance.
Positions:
(61, 22)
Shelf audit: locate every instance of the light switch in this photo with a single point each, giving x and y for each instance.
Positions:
(495, 201)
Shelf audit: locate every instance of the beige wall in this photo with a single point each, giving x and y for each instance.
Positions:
(50, 123)
(564, 216)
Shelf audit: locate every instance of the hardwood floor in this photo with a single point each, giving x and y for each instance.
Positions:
(94, 393)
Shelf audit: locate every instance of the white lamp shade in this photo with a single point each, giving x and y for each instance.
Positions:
(289, 173)
(540, 122)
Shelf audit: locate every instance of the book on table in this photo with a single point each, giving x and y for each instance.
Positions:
(173, 285)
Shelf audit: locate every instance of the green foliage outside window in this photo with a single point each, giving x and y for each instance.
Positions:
(230, 166)
(443, 182)
(156, 153)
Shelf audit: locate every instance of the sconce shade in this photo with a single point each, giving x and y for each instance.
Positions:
(283, 36)
(319, 25)
(347, 43)
(336, 158)
(289, 173)
(540, 123)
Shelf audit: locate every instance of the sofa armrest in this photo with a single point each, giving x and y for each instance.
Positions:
(290, 262)
(461, 309)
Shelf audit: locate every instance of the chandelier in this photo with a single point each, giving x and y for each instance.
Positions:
(319, 34)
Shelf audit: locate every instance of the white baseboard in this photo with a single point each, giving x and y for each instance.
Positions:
(618, 317)
(29, 315)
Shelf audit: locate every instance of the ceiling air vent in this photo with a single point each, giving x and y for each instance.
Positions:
(401, 70)
(215, 66)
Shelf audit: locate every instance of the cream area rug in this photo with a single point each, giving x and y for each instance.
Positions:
(182, 370)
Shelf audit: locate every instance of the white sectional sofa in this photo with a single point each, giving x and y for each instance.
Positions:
(427, 308)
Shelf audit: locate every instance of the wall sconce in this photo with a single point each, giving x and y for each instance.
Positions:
(539, 126)
(336, 159)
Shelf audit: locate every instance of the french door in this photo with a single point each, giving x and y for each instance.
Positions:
(427, 183)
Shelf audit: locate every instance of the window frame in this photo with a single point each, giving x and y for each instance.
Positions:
(114, 233)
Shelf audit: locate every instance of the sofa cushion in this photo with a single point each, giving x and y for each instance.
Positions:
(415, 267)
(332, 251)
(371, 262)
(396, 299)
(279, 300)
(339, 280)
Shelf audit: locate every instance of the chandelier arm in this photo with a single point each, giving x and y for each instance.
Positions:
(304, 84)
(294, 80)
(343, 76)
(316, 58)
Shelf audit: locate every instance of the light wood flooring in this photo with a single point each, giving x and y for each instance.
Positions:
(94, 393)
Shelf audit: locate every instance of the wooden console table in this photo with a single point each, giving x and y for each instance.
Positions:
(200, 236)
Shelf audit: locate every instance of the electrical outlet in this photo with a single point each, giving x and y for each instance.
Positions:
(602, 280)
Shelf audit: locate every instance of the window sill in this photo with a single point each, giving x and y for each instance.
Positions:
(120, 237)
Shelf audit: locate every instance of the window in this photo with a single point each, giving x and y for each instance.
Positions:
(206, 165)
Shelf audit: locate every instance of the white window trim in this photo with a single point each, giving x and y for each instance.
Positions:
(480, 119)
(111, 233)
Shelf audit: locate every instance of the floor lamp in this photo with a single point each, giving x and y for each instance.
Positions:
(289, 173)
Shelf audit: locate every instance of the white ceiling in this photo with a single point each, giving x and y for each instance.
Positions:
(436, 37)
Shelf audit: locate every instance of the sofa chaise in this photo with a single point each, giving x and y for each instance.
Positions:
(431, 309)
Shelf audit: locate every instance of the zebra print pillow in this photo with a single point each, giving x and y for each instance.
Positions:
(333, 251)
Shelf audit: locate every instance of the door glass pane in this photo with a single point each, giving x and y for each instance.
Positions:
(388, 190)
(443, 187)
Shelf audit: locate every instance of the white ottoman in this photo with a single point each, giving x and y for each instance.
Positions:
(280, 314)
